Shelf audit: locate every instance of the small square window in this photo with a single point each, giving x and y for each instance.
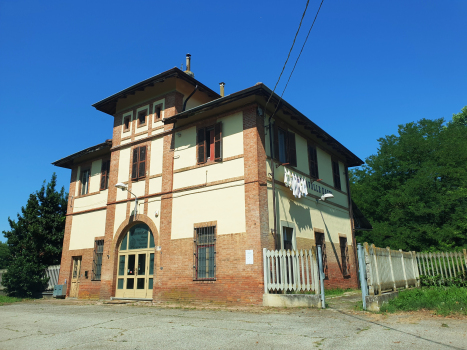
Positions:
(142, 118)
(126, 123)
(157, 112)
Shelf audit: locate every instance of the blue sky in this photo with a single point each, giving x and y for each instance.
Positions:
(368, 66)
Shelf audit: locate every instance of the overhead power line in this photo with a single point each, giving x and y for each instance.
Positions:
(303, 46)
(290, 51)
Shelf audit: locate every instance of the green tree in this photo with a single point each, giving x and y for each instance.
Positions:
(35, 240)
(414, 190)
(4, 255)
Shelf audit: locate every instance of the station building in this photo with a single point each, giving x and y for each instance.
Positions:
(178, 205)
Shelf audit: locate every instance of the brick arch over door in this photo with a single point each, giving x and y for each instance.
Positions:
(129, 223)
(122, 230)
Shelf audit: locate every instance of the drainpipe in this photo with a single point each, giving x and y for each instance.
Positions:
(189, 96)
(273, 180)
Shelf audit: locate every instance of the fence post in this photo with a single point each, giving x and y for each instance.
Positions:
(416, 269)
(378, 281)
(403, 269)
(392, 269)
(362, 269)
(321, 276)
(265, 269)
(369, 269)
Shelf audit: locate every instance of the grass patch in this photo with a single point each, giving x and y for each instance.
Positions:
(8, 300)
(336, 291)
(443, 300)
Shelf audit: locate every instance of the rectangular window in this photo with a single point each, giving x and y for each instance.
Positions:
(344, 256)
(319, 240)
(126, 123)
(336, 174)
(157, 112)
(142, 118)
(287, 233)
(85, 181)
(285, 148)
(209, 143)
(138, 170)
(204, 264)
(313, 161)
(97, 261)
(105, 170)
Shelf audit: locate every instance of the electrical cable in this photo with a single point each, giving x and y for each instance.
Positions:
(290, 51)
(303, 46)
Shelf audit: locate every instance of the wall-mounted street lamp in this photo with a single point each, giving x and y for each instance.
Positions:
(124, 187)
(324, 197)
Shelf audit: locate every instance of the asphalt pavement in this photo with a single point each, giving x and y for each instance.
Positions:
(76, 324)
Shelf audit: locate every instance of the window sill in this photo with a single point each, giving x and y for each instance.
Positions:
(87, 194)
(205, 280)
(142, 125)
(127, 130)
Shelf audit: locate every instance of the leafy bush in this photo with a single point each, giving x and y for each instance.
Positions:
(437, 281)
(443, 300)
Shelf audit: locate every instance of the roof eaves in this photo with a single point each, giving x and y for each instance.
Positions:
(68, 160)
(261, 89)
(108, 104)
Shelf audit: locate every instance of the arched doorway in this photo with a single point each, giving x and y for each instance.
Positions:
(135, 270)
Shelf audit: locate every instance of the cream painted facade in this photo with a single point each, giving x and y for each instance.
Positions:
(164, 163)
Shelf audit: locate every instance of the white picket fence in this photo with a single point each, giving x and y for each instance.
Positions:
(446, 264)
(291, 270)
(388, 270)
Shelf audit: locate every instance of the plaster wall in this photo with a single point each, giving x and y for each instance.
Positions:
(120, 215)
(222, 203)
(85, 228)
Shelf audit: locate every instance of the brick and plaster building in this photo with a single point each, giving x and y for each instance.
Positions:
(199, 164)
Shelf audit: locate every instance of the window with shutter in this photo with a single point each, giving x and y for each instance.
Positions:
(138, 168)
(105, 170)
(344, 256)
(313, 161)
(282, 146)
(157, 112)
(134, 166)
(85, 174)
(336, 174)
(319, 240)
(218, 142)
(291, 149)
(201, 144)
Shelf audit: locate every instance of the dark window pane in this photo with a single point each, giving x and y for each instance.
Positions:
(139, 237)
(140, 283)
(120, 283)
(151, 241)
(121, 265)
(150, 283)
(282, 146)
(151, 264)
(130, 283)
(123, 245)
(131, 265)
(141, 264)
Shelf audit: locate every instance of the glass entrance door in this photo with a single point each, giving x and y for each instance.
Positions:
(135, 271)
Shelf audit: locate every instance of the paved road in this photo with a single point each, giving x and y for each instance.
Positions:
(80, 325)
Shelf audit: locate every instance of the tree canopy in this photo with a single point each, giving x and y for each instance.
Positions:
(35, 240)
(4, 255)
(414, 190)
